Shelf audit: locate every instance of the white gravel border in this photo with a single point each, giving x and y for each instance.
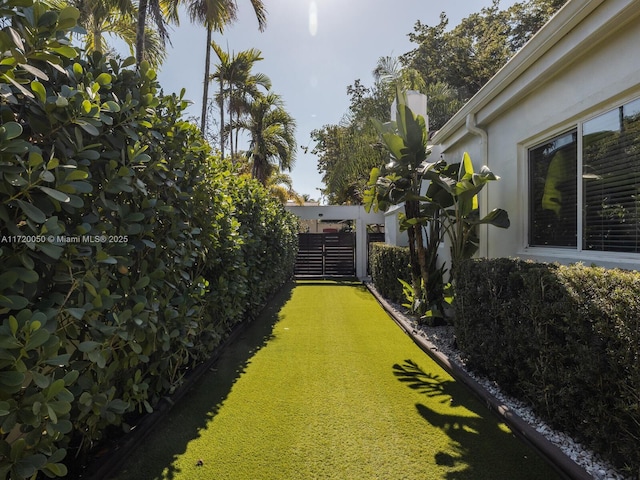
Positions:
(443, 338)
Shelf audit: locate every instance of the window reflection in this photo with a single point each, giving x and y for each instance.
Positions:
(611, 180)
(553, 192)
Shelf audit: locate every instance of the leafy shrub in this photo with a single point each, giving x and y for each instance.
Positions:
(127, 250)
(388, 263)
(565, 339)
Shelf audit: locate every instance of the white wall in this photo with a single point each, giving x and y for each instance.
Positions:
(593, 67)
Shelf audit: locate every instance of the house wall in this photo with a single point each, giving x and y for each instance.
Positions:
(585, 61)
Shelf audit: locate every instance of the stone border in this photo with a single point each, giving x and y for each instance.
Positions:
(564, 465)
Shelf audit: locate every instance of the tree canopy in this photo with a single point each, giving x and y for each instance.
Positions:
(449, 65)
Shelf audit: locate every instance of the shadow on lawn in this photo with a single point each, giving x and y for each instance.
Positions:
(190, 416)
(479, 448)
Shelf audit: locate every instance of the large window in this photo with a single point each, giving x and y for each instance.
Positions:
(554, 189)
(609, 185)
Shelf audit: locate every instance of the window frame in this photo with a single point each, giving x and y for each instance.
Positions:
(570, 253)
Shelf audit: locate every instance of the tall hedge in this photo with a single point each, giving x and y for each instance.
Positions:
(127, 251)
(565, 339)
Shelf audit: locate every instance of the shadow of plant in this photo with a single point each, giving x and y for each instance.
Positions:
(481, 447)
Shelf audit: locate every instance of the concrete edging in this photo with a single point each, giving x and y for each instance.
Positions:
(564, 465)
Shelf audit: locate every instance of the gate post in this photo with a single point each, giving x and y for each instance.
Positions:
(361, 248)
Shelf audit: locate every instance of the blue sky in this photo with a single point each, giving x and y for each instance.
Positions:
(312, 50)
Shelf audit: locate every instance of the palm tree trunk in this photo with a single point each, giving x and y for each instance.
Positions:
(205, 85)
(231, 107)
(143, 6)
(221, 118)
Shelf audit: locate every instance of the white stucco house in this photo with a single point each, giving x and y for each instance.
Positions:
(560, 124)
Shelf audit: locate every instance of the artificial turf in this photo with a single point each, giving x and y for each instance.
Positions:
(324, 385)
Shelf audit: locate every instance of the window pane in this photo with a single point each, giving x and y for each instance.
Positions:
(553, 192)
(611, 180)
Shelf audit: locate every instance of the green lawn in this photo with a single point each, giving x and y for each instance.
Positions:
(326, 386)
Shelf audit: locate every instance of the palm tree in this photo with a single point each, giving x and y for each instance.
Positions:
(272, 132)
(280, 186)
(162, 12)
(243, 88)
(237, 87)
(221, 74)
(391, 73)
(115, 17)
(214, 15)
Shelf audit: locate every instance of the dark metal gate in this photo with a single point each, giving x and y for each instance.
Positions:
(326, 255)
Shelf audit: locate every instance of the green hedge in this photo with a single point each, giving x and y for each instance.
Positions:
(128, 251)
(565, 339)
(388, 263)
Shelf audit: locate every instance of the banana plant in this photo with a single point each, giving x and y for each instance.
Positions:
(448, 209)
(399, 183)
(452, 200)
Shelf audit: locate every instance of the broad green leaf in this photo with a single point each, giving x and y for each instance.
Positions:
(39, 90)
(77, 174)
(68, 18)
(8, 279)
(11, 378)
(104, 79)
(10, 130)
(35, 159)
(13, 324)
(111, 106)
(40, 380)
(53, 163)
(497, 217)
(89, 154)
(51, 251)
(77, 313)
(57, 469)
(36, 72)
(59, 360)
(47, 176)
(55, 388)
(24, 274)
(66, 51)
(142, 283)
(87, 127)
(16, 38)
(14, 302)
(55, 194)
(128, 62)
(395, 144)
(88, 346)
(48, 19)
(135, 217)
(18, 86)
(61, 102)
(37, 339)
(91, 289)
(466, 168)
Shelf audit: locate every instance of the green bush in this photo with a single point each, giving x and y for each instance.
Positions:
(388, 263)
(128, 251)
(565, 339)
